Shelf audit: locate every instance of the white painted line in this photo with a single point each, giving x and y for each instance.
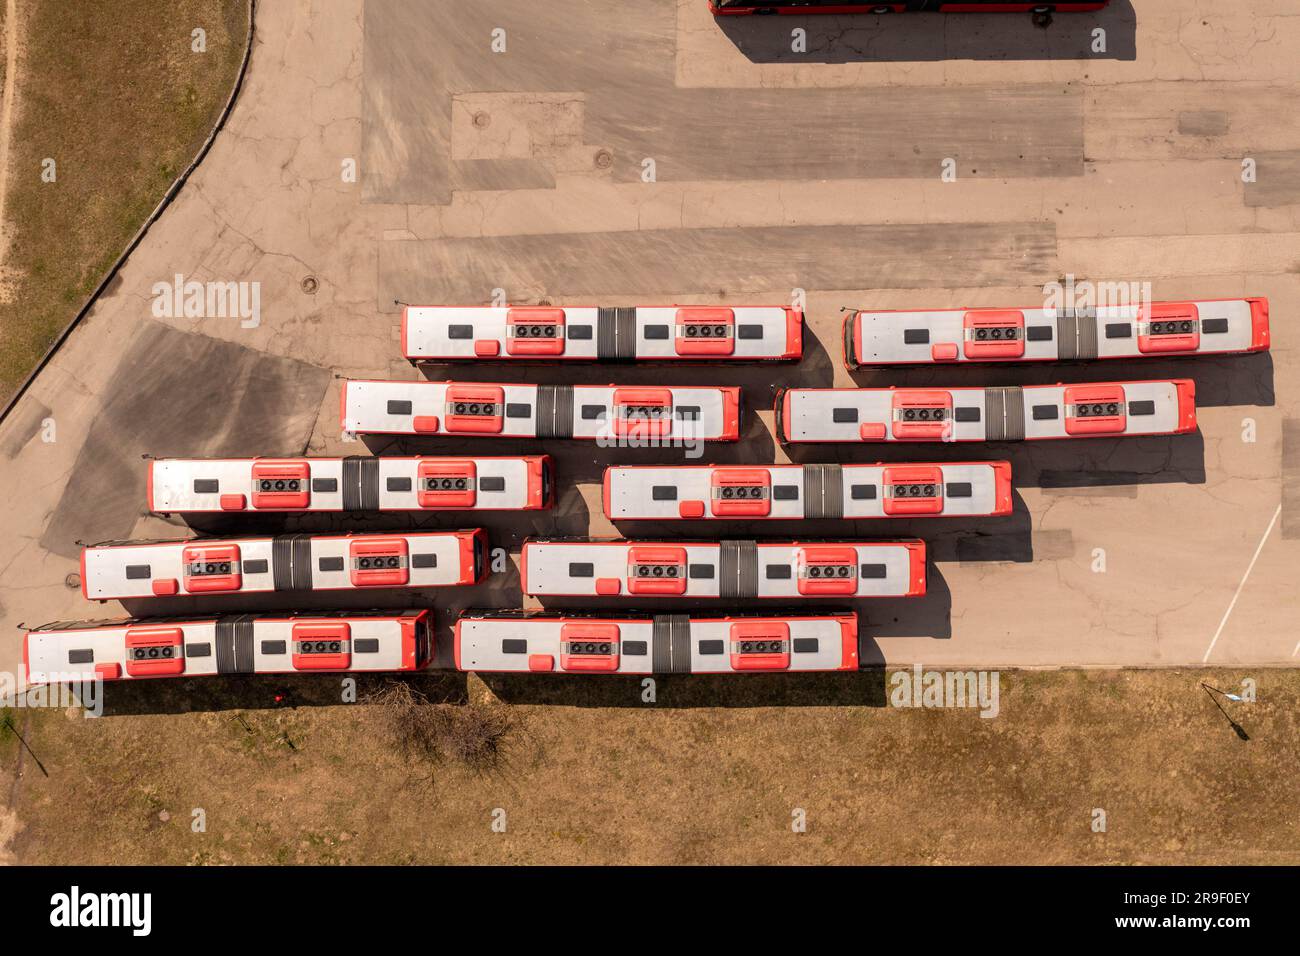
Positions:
(1249, 568)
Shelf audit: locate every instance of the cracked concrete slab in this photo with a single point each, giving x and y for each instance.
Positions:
(28, 424)
(682, 261)
(691, 134)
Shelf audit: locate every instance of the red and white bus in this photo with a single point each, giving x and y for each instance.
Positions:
(631, 643)
(699, 333)
(721, 8)
(723, 569)
(1030, 413)
(745, 492)
(1146, 330)
(246, 485)
(269, 643)
(119, 570)
(638, 414)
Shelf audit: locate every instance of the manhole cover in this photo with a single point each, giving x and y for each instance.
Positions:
(482, 120)
(604, 159)
(310, 285)
(72, 582)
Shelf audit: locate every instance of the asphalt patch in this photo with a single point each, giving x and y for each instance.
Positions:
(178, 394)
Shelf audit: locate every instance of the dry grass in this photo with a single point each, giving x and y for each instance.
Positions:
(620, 781)
(112, 92)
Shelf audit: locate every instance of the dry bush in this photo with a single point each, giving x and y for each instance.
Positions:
(470, 734)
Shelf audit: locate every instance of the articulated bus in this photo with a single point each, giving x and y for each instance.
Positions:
(723, 569)
(118, 570)
(269, 643)
(358, 483)
(624, 642)
(1145, 330)
(1016, 413)
(700, 333)
(743, 492)
(634, 413)
(722, 8)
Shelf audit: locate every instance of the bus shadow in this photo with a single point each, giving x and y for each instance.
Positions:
(929, 615)
(817, 367)
(862, 688)
(867, 38)
(268, 692)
